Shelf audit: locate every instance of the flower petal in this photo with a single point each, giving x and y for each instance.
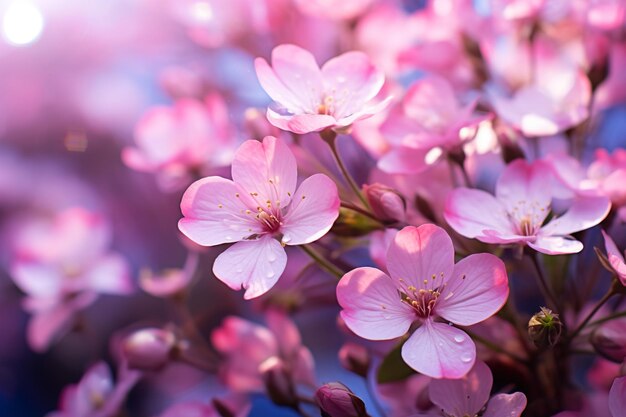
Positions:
(583, 214)
(525, 187)
(506, 405)
(109, 275)
(617, 397)
(312, 211)
(300, 123)
(464, 396)
(354, 79)
(253, 265)
(420, 253)
(298, 71)
(267, 170)
(371, 305)
(556, 245)
(479, 287)
(473, 212)
(439, 350)
(404, 160)
(215, 212)
(276, 89)
(616, 259)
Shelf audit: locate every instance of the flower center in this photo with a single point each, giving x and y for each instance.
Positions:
(327, 106)
(528, 217)
(422, 300)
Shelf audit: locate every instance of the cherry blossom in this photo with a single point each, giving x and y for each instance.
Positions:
(62, 264)
(429, 118)
(96, 395)
(517, 212)
(261, 210)
(616, 258)
(469, 395)
(310, 99)
(250, 349)
(423, 285)
(182, 141)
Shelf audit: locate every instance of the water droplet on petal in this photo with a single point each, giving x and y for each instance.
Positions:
(239, 270)
(270, 274)
(466, 358)
(271, 257)
(229, 238)
(459, 339)
(440, 344)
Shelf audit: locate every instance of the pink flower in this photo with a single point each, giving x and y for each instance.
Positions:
(616, 259)
(517, 212)
(170, 281)
(261, 210)
(617, 397)
(96, 395)
(608, 174)
(468, 396)
(250, 348)
(62, 264)
(178, 142)
(423, 285)
(429, 117)
(556, 100)
(310, 99)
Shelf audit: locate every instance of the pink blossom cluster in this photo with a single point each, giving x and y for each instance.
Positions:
(345, 208)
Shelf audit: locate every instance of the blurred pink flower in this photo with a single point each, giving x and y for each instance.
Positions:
(236, 405)
(518, 210)
(469, 395)
(429, 117)
(310, 99)
(333, 9)
(261, 210)
(608, 173)
(424, 284)
(181, 142)
(617, 397)
(249, 348)
(555, 99)
(96, 395)
(62, 264)
(170, 281)
(616, 258)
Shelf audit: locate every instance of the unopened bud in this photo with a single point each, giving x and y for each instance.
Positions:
(609, 340)
(544, 328)
(355, 358)
(336, 400)
(278, 383)
(148, 349)
(387, 204)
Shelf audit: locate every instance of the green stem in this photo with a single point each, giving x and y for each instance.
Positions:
(543, 284)
(601, 302)
(323, 263)
(344, 171)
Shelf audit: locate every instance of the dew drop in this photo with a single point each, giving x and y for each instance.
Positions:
(239, 270)
(459, 338)
(271, 257)
(466, 358)
(270, 274)
(228, 238)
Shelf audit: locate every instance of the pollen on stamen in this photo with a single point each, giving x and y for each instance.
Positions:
(303, 197)
(425, 281)
(289, 193)
(237, 195)
(220, 206)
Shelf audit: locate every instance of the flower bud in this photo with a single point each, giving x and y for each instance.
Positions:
(544, 328)
(353, 224)
(278, 383)
(355, 358)
(387, 204)
(336, 400)
(148, 349)
(609, 340)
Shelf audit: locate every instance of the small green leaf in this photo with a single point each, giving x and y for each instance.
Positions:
(393, 368)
